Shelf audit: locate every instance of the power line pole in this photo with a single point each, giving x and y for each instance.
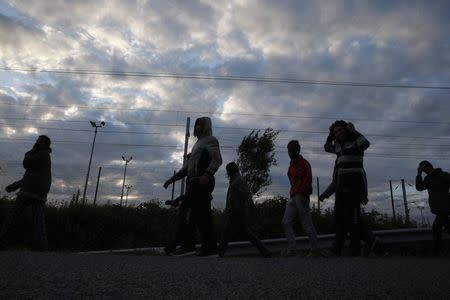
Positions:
(96, 187)
(186, 141)
(405, 202)
(93, 124)
(128, 187)
(318, 194)
(421, 215)
(124, 175)
(173, 185)
(392, 200)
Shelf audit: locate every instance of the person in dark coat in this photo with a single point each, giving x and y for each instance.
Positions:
(437, 183)
(33, 189)
(239, 203)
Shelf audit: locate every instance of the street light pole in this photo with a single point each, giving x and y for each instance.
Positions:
(124, 175)
(93, 124)
(128, 187)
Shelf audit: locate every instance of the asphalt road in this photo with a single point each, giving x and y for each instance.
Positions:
(58, 275)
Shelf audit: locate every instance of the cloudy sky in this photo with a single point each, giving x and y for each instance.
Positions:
(97, 60)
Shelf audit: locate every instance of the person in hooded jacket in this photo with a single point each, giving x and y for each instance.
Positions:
(199, 170)
(437, 182)
(237, 211)
(34, 187)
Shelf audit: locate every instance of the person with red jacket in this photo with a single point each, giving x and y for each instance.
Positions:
(300, 177)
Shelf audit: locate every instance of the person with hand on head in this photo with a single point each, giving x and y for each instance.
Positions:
(349, 178)
(437, 183)
(237, 210)
(199, 170)
(33, 189)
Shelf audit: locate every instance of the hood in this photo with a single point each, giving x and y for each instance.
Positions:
(207, 127)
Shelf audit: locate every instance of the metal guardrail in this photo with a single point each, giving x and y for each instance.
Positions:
(388, 237)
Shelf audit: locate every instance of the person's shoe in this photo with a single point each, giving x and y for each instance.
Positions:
(288, 253)
(221, 253)
(374, 247)
(332, 253)
(183, 252)
(266, 255)
(314, 254)
(207, 253)
(168, 251)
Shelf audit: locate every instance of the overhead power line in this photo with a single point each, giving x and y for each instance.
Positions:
(234, 128)
(222, 78)
(196, 112)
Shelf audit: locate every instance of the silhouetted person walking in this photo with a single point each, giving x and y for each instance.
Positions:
(34, 187)
(437, 182)
(184, 232)
(239, 202)
(350, 182)
(372, 243)
(300, 177)
(204, 162)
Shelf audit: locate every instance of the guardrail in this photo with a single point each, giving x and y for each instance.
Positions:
(388, 237)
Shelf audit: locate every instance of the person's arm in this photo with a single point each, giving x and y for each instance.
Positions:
(14, 186)
(246, 197)
(179, 175)
(361, 142)
(329, 145)
(36, 160)
(213, 150)
(328, 192)
(420, 183)
(447, 178)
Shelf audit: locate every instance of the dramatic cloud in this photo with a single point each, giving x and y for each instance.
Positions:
(390, 42)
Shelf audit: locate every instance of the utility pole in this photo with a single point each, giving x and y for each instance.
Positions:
(96, 187)
(186, 141)
(173, 185)
(128, 187)
(392, 200)
(405, 202)
(78, 196)
(93, 124)
(421, 214)
(318, 194)
(124, 175)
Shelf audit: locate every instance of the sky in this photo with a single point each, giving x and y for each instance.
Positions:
(64, 63)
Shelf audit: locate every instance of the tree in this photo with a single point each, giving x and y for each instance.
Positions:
(256, 154)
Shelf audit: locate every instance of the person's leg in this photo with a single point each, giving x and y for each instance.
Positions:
(40, 235)
(288, 219)
(446, 221)
(201, 211)
(306, 220)
(341, 227)
(227, 235)
(181, 231)
(355, 225)
(437, 234)
(11, 218)
(251, 236)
